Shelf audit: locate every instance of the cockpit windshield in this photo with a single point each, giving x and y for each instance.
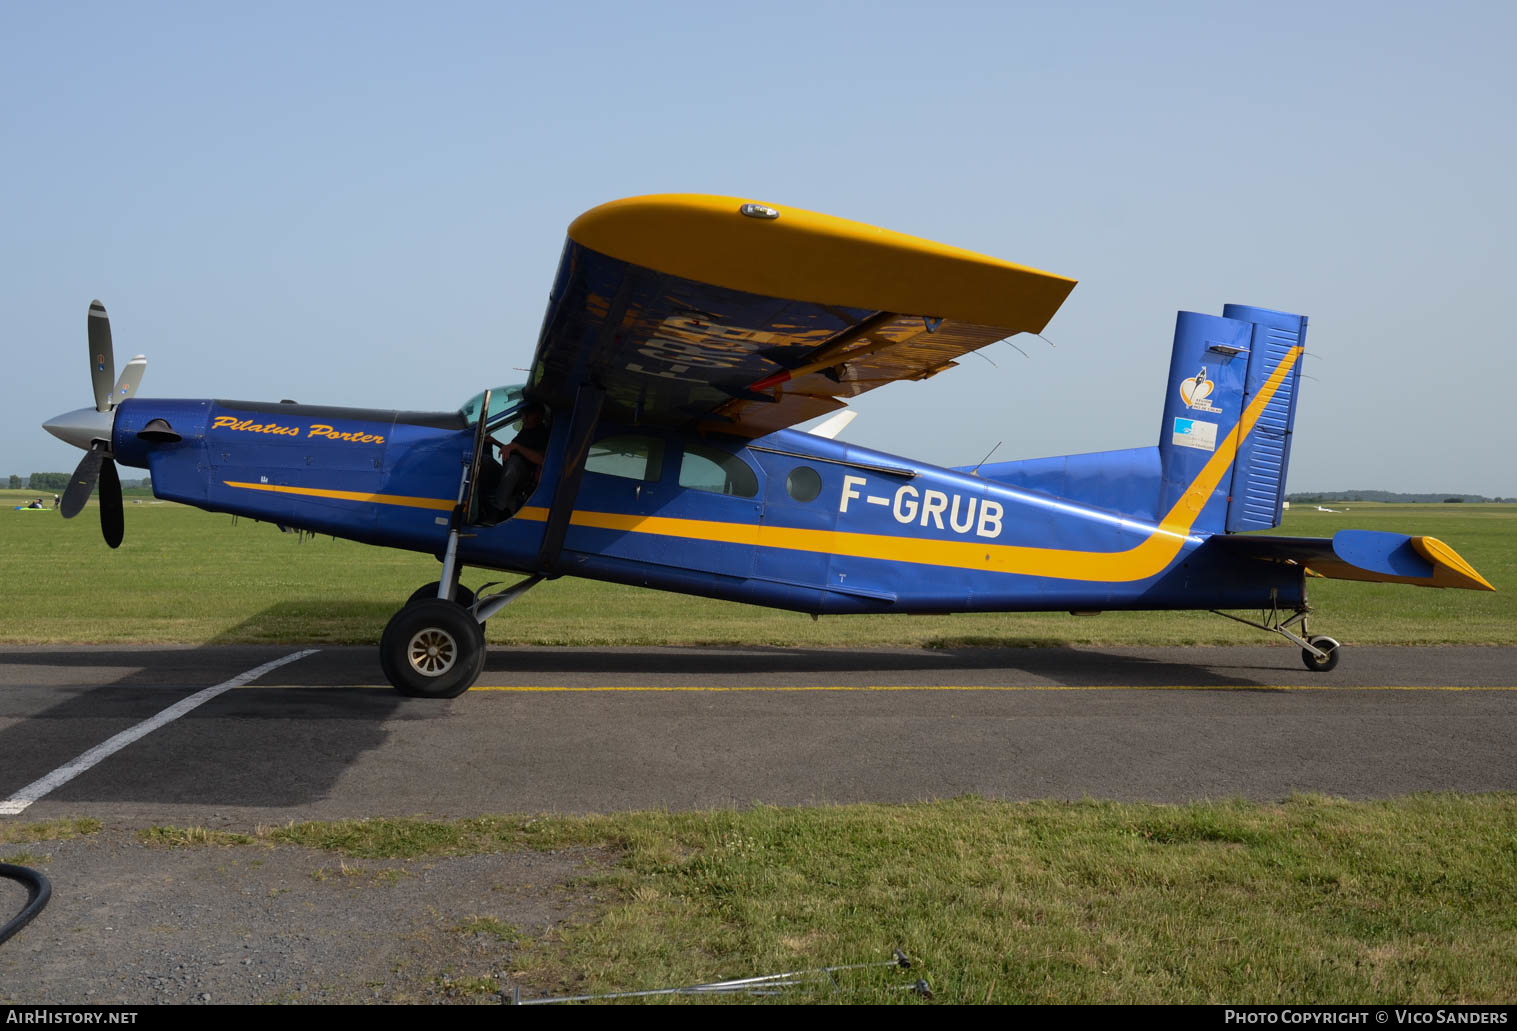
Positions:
(503, 403)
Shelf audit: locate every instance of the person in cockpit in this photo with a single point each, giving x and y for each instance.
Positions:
(521, 462)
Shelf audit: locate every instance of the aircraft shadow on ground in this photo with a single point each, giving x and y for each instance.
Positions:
(314, 620)
(272, 744)
(1084, 667)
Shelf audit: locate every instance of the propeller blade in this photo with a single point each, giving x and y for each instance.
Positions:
(102, 359)
(131, 376)
(112, 525)
(82, 483)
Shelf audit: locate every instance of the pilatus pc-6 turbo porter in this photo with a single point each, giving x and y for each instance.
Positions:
(653, 445)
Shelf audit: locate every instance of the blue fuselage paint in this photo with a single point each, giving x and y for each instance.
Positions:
(805, 541)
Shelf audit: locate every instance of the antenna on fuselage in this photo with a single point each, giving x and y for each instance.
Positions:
(976, 470)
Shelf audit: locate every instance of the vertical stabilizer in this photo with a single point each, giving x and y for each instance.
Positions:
(1219, 366)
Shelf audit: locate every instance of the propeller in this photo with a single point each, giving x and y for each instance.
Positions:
(82, 484)
(94, 434)
(102, 358)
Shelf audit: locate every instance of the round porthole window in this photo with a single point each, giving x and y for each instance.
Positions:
(803, 483)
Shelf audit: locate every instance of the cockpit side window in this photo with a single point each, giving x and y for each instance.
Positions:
(502, 400)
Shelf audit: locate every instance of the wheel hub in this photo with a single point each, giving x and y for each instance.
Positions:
(432, 651)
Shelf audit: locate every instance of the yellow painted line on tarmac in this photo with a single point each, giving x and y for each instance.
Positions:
(548, 689)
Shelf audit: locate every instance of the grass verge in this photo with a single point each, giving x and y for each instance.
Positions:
(51, 830)
(1311, 900)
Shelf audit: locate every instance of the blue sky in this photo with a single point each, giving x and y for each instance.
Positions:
(364, 204)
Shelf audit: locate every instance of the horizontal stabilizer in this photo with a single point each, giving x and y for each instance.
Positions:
(835, 425)
(1369, 555)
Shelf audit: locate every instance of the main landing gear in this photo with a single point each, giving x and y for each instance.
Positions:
(434, 647)
(1319, 654)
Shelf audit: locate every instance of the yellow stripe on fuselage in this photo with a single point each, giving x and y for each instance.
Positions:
(437, 504)
(1137, 563)
(1140, 562)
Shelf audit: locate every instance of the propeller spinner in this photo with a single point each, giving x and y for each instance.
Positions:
(90, 429)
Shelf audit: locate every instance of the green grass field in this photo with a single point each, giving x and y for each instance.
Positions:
(190, 577)
(1309, 900)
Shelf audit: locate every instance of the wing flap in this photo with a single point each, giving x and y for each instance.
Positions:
(904, 348)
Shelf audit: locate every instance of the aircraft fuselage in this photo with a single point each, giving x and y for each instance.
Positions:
(788, 520)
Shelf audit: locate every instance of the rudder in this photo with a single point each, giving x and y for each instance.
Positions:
(1258, 487)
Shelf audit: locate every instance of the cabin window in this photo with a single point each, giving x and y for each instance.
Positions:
(630, 456)
(803, 483)
(709, 468)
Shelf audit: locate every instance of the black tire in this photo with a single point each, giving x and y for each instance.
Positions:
(432, 649)
(1317, 665)
(463, 596)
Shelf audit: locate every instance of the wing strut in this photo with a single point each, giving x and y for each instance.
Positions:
(838, 349)
(587, 405)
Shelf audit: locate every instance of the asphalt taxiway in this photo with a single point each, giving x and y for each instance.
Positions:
(170, 734)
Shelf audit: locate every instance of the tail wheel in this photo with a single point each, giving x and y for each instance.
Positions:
(432, 649)
(1323, 665)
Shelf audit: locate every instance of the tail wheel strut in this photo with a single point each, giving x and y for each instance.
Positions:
(1319, 654)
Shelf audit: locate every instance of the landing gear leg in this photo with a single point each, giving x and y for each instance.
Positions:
(1320, 654)
(448, 588)
(449, 582)
(435, 646)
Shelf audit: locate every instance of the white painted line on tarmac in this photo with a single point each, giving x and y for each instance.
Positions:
(63, 774)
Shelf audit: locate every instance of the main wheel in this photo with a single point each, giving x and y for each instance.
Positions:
(432, 649)
(463, 596)
(1315, 664)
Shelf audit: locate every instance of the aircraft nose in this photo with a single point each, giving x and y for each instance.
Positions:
(82, 427)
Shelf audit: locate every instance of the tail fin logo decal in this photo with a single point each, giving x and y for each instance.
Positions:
(1197, 434)
(1196, 390)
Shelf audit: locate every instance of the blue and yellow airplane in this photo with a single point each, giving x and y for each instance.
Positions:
(685, 336)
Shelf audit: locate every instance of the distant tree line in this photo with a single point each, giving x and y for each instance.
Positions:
(58, 482)
(1324, 497)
